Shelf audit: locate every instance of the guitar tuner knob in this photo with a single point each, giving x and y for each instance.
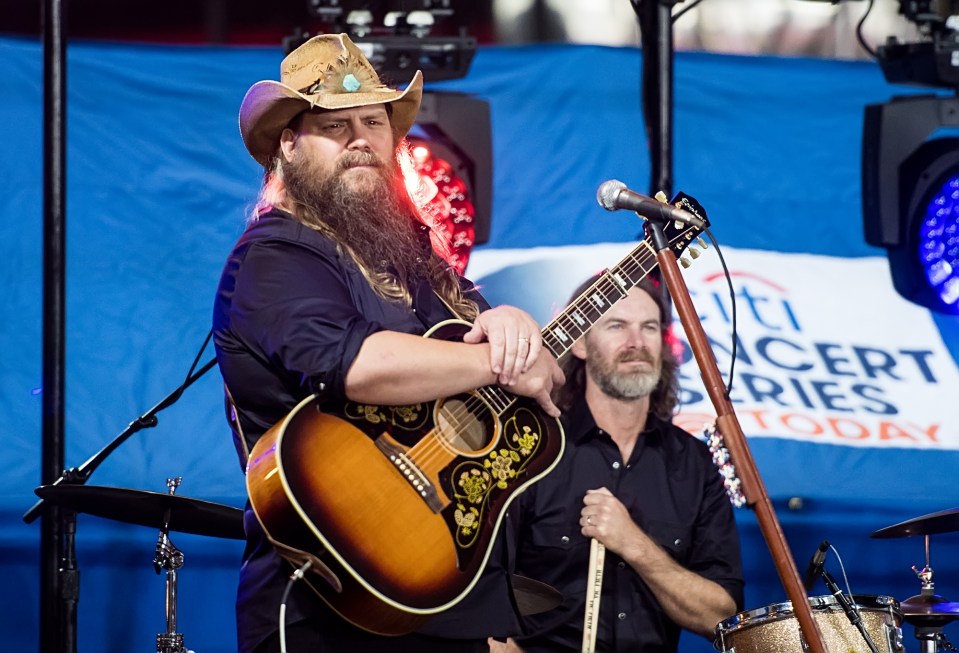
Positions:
(693, 253)
(684, 262)
(702, 243)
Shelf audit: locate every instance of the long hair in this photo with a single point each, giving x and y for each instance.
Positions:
(665, 397)
(442, 278)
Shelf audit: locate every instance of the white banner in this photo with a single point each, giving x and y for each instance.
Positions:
(827, 351)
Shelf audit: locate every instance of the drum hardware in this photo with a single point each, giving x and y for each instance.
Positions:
(153, 509)
(169, 558)
(852, 613)
(532, 596)
(927, 611)
(816, 570)
(59, 618)
(168, 512)
(775, 627)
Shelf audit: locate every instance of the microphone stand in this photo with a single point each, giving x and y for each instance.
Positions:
(847, 606)
(728, 424)
(69, 575)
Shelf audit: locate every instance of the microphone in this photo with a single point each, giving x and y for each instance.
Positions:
(613, 195)
(814, 570)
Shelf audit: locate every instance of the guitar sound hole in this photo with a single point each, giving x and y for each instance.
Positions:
(468, 429)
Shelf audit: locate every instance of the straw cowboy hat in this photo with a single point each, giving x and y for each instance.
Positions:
(328, 72)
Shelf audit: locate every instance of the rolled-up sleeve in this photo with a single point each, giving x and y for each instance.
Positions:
(294, 306)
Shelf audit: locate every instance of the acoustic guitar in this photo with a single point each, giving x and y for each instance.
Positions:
(397, 507)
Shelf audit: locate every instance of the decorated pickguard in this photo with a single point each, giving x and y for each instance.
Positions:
(480, 486)
(411, 418)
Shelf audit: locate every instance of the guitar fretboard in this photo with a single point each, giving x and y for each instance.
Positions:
(584, 311)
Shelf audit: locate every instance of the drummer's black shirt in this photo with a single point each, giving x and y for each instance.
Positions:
(672, 490)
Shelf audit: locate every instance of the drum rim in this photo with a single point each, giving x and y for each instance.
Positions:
(784, 610)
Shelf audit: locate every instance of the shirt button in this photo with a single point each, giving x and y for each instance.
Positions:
(677, 541)
(622, 565)
(564, 539)
(616, 465)
(621, 616)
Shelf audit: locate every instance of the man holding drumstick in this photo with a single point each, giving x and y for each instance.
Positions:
(631, 480)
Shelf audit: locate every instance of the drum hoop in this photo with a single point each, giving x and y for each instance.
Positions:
(784, 610)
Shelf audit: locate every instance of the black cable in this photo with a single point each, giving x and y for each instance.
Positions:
(859, 37)
(679, 13)
(732, 312)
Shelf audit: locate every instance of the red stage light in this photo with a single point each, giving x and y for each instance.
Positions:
(443, 200)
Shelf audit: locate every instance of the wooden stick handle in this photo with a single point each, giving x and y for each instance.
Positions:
(594, 589)
(728, 423)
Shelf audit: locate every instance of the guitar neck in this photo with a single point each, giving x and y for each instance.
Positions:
(584, 311)
(611, 286)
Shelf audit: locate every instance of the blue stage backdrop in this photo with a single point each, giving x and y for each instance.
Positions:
(846, 392)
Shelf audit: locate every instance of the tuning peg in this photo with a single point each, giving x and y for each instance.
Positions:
(693, 253)
(702, 243)
(660, 196)
(684, 261)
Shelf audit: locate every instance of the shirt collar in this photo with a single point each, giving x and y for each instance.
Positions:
(579, 424)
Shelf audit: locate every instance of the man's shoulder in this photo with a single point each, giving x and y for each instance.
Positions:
(277, 226)
(679, 439)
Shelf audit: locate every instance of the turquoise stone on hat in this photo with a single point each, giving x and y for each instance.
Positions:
(351, 83)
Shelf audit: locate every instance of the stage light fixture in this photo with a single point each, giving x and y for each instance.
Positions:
(396, 36)
(910, 165)
(451, 156)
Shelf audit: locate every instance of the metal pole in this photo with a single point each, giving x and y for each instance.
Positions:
(57, 623)
(656, 28)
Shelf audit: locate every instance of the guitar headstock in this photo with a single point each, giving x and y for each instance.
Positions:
(680, 235)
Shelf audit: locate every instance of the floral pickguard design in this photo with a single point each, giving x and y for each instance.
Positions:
(407, 418)
(475, 481)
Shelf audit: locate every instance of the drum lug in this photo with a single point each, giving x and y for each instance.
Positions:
(894, 638)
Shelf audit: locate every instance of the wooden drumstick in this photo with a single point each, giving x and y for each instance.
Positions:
(594, 588)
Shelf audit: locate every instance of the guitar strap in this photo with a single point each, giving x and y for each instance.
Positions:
(233, 419)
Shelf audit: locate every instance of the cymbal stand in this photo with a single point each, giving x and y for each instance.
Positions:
(928, 627)
(169, 558)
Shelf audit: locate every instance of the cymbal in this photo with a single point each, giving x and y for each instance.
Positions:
(148, 509)
(928, 610)
(533, 596)
(944, 521)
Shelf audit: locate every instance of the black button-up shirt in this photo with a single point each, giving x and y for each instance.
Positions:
(671, 489)
(289, 318)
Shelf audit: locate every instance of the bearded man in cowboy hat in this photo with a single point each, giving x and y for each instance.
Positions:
(328, 293)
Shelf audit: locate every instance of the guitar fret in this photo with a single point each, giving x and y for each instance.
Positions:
(598, 299)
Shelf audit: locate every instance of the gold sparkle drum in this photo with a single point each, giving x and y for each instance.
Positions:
(775, 628)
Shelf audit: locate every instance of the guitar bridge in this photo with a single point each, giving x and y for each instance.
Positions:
(417, 480)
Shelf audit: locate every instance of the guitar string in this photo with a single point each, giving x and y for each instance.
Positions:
(433, 450)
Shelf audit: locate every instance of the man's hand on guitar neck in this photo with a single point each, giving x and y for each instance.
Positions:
(516, 354)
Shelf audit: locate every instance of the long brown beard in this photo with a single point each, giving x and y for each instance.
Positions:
(377, 222)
